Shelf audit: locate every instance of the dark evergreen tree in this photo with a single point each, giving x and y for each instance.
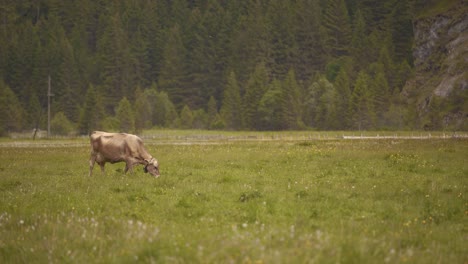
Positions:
(380, 92)
(343, 93)
(310, 56)
(115, 58)
(143, 111)
(186, 117)
(338, 28)
(359, 42)
(250, 45)
(361, 104)
(231, 109)
(126, 116)
(256, 87)
(291, 104)
(174, 70)
(11, 112)
(270, 108)
(284, 50)
(92, 112)
(212, 110)
(320, 104)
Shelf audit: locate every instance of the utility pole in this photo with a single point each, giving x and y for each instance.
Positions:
(49, 94)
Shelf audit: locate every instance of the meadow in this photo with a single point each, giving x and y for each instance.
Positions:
(238, 199)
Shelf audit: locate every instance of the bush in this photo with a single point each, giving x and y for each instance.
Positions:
(60, 125)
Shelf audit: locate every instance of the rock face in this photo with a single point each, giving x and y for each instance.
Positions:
(441, 63)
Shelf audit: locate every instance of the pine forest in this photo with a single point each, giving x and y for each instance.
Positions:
(206, 64)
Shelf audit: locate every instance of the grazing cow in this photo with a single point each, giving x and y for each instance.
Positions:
(118, 147)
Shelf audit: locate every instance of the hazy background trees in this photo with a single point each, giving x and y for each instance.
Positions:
(255, 65)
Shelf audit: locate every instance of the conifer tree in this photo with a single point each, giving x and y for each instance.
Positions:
(250, 42)
(11, 112)
(164, 111)
(291, 105)
(283, 45)
(269, 108)
(361, 104)
(92, 112)
(320, 104)
(381, 93)
(231, 109)
(337, 25)
(401, 28)
(68, 81)
(359, 41)
(143, 111)
(126, 116)
(212, 110)
(343, 92)
(310, 56)
(173, 71)
(254, 91)
(115, 58)
(186, 117)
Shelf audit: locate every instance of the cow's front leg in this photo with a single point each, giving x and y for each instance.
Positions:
(102, 167)
(129, 165)
(92, 160)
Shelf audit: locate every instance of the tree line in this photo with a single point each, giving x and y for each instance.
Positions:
(212, 64)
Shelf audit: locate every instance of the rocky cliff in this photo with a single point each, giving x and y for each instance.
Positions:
(439, 88)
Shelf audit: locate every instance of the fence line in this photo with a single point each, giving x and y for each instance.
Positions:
(273, 136)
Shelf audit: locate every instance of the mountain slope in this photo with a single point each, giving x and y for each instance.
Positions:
(439, 89)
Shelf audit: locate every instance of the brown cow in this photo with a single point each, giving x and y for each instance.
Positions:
(118, 147)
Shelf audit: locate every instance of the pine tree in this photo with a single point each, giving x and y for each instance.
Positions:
(254, 91)
(143, 111)
(401, 28)
(343, 92)
(125, 115)
(291, 105)
(361, 104)
(280, 15)
(164, 114)
(250, 41)
(231, 110)
(269, 108)
(338, 27)
(186, 117)
(388, 67)
(212, 110)
(114, 51)
(173, 71)
(359, 42)
(320, 104)
(381, 93)
(92, 112)
(11, 112)
(310, 56)
(200, 119)
(68, 81)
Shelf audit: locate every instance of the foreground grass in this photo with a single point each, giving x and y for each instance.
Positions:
(323, 201)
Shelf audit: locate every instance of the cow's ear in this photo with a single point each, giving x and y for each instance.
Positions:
(145, 169)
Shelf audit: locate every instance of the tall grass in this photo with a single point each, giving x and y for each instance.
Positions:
(295, 201)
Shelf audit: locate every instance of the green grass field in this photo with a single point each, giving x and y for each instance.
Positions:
(287, 200)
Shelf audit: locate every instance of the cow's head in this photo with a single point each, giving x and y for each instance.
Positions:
(153, 168)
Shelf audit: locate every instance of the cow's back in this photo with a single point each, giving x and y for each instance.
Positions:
(112, 144)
